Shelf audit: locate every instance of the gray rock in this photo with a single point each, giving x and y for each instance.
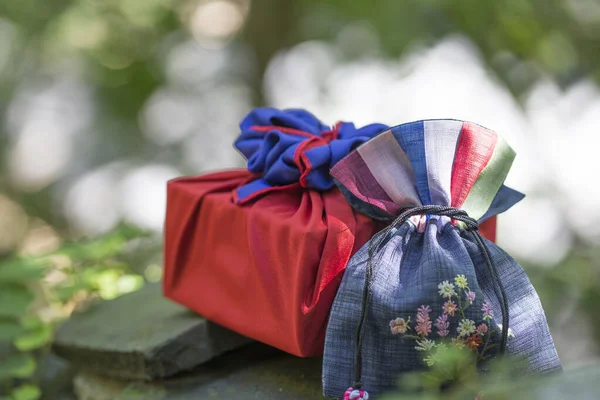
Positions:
(141, 336)
(56, 377)
(254, 372)
(93, 387)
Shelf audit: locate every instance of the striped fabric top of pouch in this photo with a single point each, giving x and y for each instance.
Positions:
(432, 162)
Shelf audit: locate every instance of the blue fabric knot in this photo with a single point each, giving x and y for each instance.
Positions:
(286, 147)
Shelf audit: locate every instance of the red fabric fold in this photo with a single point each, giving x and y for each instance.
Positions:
(268, 269)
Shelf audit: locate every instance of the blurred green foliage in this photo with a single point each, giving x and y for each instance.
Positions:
(555, 37)
(53, 285)
(454, 377)
(119, 46)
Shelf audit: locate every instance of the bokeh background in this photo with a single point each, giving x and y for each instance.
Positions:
(103, 101)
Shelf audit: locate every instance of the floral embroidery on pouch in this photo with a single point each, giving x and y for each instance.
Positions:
(468, 334)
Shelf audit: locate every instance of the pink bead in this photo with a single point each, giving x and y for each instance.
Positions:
(356, 394)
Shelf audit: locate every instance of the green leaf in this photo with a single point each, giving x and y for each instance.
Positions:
(17, 366)
(14, 300)
(19, 270)
(26, 392)
(32, 322)
(131, 232)
(65, 293)
(9, 329)
(104, 247)
(130, 283)
(106, 282)
(34, 339)
(94, 251)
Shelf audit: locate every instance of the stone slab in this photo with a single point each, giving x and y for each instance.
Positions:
(141, 336)
(88, 386)
(259, 372)
(56, 377)
(253, 372)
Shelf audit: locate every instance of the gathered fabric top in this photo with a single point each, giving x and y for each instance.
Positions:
(292, 147)
(433, 162)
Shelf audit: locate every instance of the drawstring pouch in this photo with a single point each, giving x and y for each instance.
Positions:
(429, 280)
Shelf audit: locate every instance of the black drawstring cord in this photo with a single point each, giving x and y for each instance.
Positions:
(472, 226)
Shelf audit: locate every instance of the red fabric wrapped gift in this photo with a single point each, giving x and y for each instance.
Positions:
(262, 251)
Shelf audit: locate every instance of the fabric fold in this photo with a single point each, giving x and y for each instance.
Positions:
(292, 147)
(432, 162)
